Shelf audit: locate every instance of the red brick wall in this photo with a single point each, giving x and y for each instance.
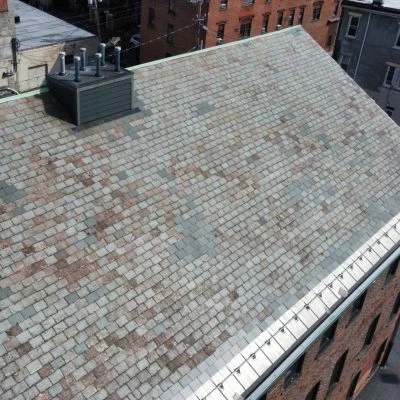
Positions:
(349, 335)
(3, 5)
(319, 30)
(154, 47)
(186, 14)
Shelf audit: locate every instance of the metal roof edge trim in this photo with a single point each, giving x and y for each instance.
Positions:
(26, 94)
(388, 237)
(45, 89)
(214, 48)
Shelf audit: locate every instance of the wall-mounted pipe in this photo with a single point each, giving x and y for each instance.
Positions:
(77, 64)
(117, 53)
(61, 57)
(82, 52)
(102, 50)
(98, 63)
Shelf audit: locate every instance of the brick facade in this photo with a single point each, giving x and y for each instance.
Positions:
(176, 15)
(322, 26)
(350, 335)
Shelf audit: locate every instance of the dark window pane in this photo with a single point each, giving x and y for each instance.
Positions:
(353, 386)
(294, 371)
(327, 337)
(394, 265)
(245, 29)
(316, 13)
(338, 369)
(291, 17)
(312, 394)
(396, 305)
(358, 305)
(280, 18)
(301, 15)
(152, 16)
(388, 81)
(371, 331)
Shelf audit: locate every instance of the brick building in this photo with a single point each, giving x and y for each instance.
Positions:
(168, 28)
(235, 236)
(225, 21)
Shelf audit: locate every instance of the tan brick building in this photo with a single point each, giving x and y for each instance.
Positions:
(224, 21)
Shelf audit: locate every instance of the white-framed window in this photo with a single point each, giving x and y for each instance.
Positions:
(389, 76)
(344, 61)
(397, 42)
(352, 27)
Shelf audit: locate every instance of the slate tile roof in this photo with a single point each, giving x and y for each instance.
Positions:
(140, 255)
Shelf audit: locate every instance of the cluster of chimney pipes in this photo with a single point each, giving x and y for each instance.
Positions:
(80, 62)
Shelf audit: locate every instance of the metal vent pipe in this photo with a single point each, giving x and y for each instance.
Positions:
(102, 50)
(77, 62)
(62, 63)
(82, 51)
(117, 53)
(98, 63)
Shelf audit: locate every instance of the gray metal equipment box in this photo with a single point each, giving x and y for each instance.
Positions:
(93, 98)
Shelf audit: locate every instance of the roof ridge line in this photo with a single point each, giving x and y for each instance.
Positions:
(214, 48)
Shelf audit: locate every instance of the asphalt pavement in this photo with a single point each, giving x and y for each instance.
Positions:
(385, 385)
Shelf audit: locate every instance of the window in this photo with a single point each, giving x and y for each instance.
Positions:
(316, 13)
(371, 331)
(171, 6)
(379, 353)
(294, 371)
(279, 21)
(353, 26)
(393, 266)
(264, 28)
(353, 385)
(152, 16)
(337, 370)
(327, 337)
(312, 394)
(344, 61)
(301, 15)
(396, 305)
(357, 306)
(291, 17)
(3, 6)
(221, 31)
(329, 41)
(223, 4)
(389, 75)
(170, 34)
(397, 43)
(248, 2)
(245, 29)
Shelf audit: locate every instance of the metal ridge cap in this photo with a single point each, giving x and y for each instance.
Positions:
(323, 304)
(215, 48)
(42, 90)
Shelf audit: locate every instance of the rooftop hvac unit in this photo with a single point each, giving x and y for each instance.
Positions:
(220, 41)
(278, 27)
(92, 92)
(222, 7)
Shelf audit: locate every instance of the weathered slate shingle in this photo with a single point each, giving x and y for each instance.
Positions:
(139, 266)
